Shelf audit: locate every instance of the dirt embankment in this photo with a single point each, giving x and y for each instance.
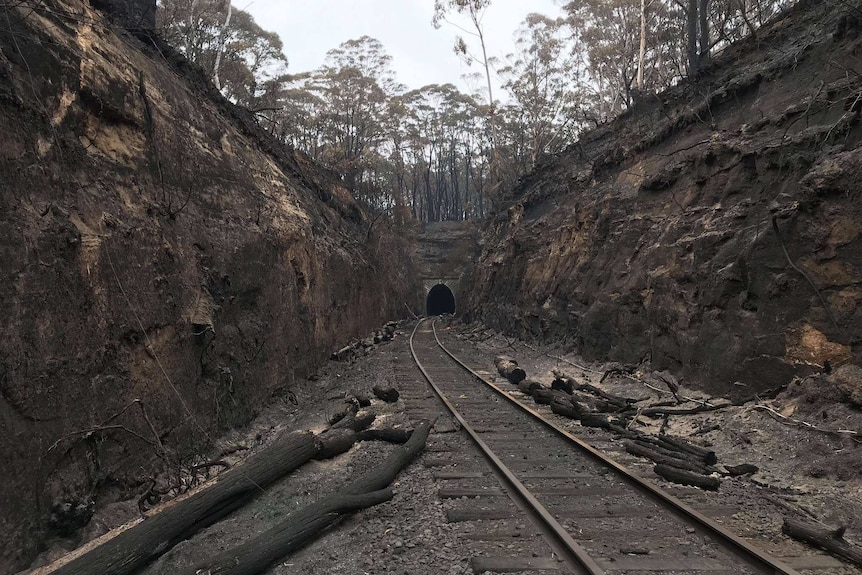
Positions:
(151, 251)
(714, 229)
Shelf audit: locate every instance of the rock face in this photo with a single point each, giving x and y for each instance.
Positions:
(156, 246)
(713, 229)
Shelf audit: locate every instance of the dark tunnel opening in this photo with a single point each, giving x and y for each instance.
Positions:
(440, 300)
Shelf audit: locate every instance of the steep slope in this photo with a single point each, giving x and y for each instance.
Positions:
(156, 246)
(713, 229)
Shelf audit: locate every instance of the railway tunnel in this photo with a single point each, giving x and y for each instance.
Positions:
(439, 300)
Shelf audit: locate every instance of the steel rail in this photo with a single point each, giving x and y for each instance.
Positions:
(730, 539)
(577, 555)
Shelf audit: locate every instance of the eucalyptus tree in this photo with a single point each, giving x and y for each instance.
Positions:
(355, 85)
(474, 10)
(245, 61)
(543, 81)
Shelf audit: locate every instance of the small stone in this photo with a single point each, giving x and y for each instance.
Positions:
(399, 543)
(690, 530)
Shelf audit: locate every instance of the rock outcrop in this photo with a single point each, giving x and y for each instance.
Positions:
(165, 267)
(713, 229)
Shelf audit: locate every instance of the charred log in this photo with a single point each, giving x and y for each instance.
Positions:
(137, 545)
(299, 527)
(683, 477)
(508, 368)
(831, 540)
(387, 394)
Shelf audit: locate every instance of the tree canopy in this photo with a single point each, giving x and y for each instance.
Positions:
(435, 153)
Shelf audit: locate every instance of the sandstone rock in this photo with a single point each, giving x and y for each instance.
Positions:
(848, 380)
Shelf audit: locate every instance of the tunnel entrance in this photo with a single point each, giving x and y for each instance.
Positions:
(440, 300)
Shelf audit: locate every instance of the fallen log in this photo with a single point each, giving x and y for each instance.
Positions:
(566, 409)
(707, 455)
(334, 442)
(341, 411)
(742, 469)
(563, 384)
(683, 477)
(362, 398)
(397, 435)
(508, 368)
(680, 448)
(595, 420)
(132, 548)
(545, 396)
(527, 386)
(661, 410)
(387, 394)
(594, 403)
(621, 402)
(831, 540)
(299, 527)
(658, 456)
(356, 421)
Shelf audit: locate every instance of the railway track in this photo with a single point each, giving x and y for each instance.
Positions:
(587, 514)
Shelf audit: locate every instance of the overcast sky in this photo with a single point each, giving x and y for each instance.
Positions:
(420, 54)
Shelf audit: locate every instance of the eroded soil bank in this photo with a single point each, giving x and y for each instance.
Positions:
(165, 269)
(713, 230)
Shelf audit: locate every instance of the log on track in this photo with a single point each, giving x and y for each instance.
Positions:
(142, 542)
(681, 476)
(831, 540)
(508, 368)
(301, 526)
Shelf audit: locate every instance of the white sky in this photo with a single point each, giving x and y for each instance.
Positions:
(421, 55)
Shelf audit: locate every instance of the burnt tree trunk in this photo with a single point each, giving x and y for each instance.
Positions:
(508, 368)
(132, 548)
(528, 386)
(831, 540)
(684, 477)
(662, 456)
(301, 526)
(387, 394)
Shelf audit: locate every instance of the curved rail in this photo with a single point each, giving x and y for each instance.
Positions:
(742, 548)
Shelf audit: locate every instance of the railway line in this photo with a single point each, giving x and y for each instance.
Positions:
(518, 477)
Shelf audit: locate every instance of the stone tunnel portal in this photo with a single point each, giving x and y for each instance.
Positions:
(440, 300)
